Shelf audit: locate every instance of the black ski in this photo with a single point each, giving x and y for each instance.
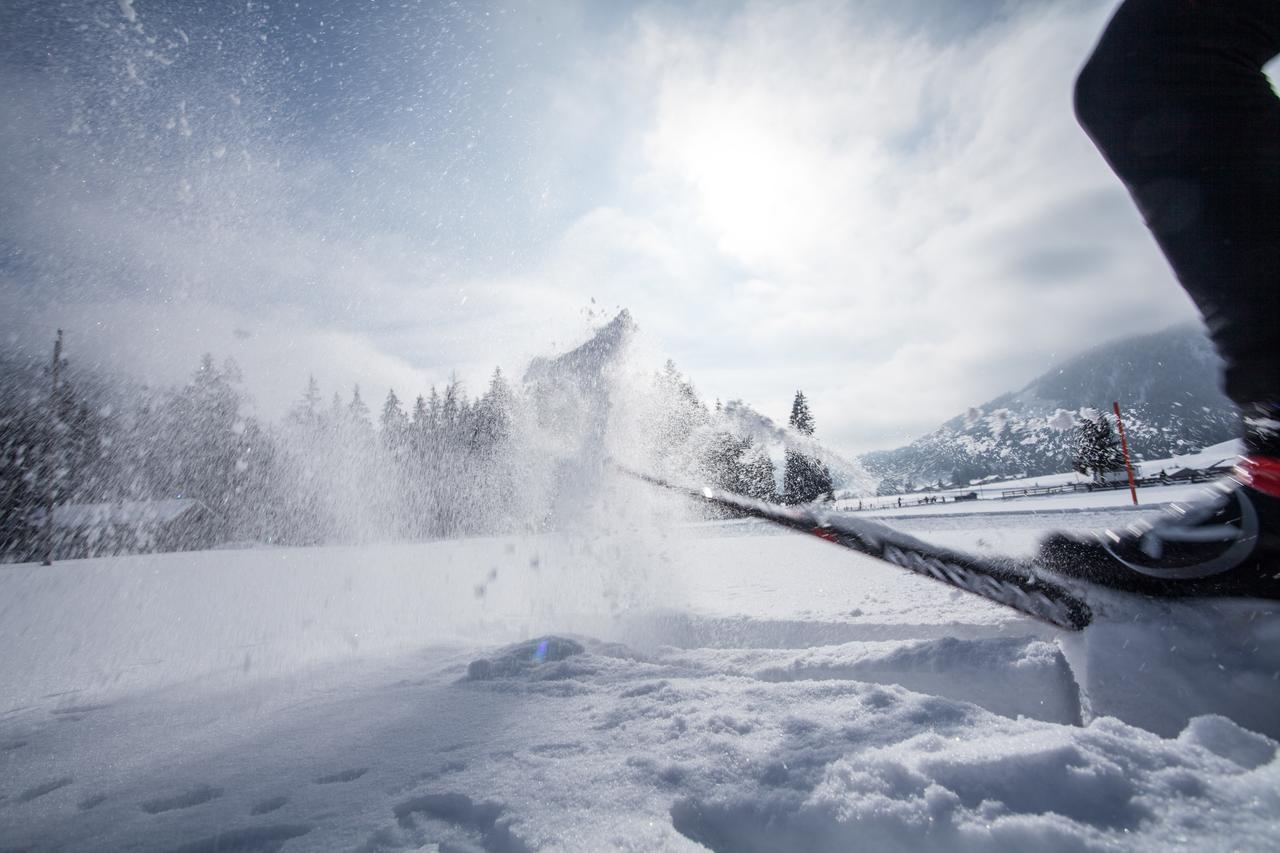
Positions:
(1012, 583)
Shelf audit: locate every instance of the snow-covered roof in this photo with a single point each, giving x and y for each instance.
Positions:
(124, 513)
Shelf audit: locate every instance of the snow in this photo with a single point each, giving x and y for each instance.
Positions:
(122, 513)
(1113, 499)
(992, 499)
(641, 687)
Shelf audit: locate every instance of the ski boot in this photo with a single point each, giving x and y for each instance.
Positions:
(1227, 544)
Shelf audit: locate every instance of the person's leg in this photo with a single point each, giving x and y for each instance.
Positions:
(1175, 98)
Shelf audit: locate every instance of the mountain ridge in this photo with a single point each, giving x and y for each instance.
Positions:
(1167, 383)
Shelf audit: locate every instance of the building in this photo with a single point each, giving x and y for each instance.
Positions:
(131, 527)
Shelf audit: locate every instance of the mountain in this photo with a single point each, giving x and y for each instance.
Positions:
(1167, 384)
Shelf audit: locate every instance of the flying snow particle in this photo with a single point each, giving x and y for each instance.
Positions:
(1062, 420)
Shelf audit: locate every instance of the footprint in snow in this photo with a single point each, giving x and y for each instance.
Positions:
(250, 839)
(195, 797)
(91, 802)
(471, 821)
(342, 776)
(79, 709)
(47, 788)
(268, 806)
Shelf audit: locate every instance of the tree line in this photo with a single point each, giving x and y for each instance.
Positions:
(698, 438)
(334, 471)
(326, 474)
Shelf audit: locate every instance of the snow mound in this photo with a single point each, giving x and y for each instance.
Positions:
(987, 784)
(780, 694)
(536, 659)
(1226, 739)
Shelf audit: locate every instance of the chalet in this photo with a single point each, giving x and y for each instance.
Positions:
(1218, 469)
(130, 527)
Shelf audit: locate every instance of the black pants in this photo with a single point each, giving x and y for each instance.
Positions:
(1175, 98)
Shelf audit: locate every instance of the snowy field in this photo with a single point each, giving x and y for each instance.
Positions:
(653, 687)
(991, 499)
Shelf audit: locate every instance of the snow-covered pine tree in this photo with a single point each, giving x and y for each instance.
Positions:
(678, 415)
(419, 428)
(20, 498)
(435, 409)
(395, 423)
(493, 414)
(722, 461)
(801, 419)
(202, 442)
(357, 411)
(758, 478)
(453, 405)
(335, 416)
(307, 411)
(804, 479)
(1098, 452)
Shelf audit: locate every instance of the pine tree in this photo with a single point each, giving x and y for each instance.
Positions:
(434, 410)
(452, 404)
(395, 423)
(357, 411)
(493, 413)
(680, 411)
(722, 461)
(1098, 452)
(201, 442)
(312, 398)
(307, 411)
(21, 443)
(801, 420)
(758, 475)
(804, 479)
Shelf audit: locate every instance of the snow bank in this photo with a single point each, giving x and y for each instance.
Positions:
(701, 691)
(990, 499)
(114, 624)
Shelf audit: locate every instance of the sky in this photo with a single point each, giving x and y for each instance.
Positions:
(885, 203)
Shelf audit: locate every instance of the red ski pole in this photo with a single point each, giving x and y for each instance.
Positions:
(1124, 448)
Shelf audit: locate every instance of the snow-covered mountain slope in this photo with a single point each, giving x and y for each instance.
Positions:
(1167, 384)
(643, 688)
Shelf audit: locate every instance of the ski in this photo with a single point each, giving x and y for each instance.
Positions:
(1006, 581)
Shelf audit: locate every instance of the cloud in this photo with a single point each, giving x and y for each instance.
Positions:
(887, 204)
(908, 223)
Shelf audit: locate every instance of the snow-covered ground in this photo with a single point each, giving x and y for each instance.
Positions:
(642, 687)
(992, 497)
